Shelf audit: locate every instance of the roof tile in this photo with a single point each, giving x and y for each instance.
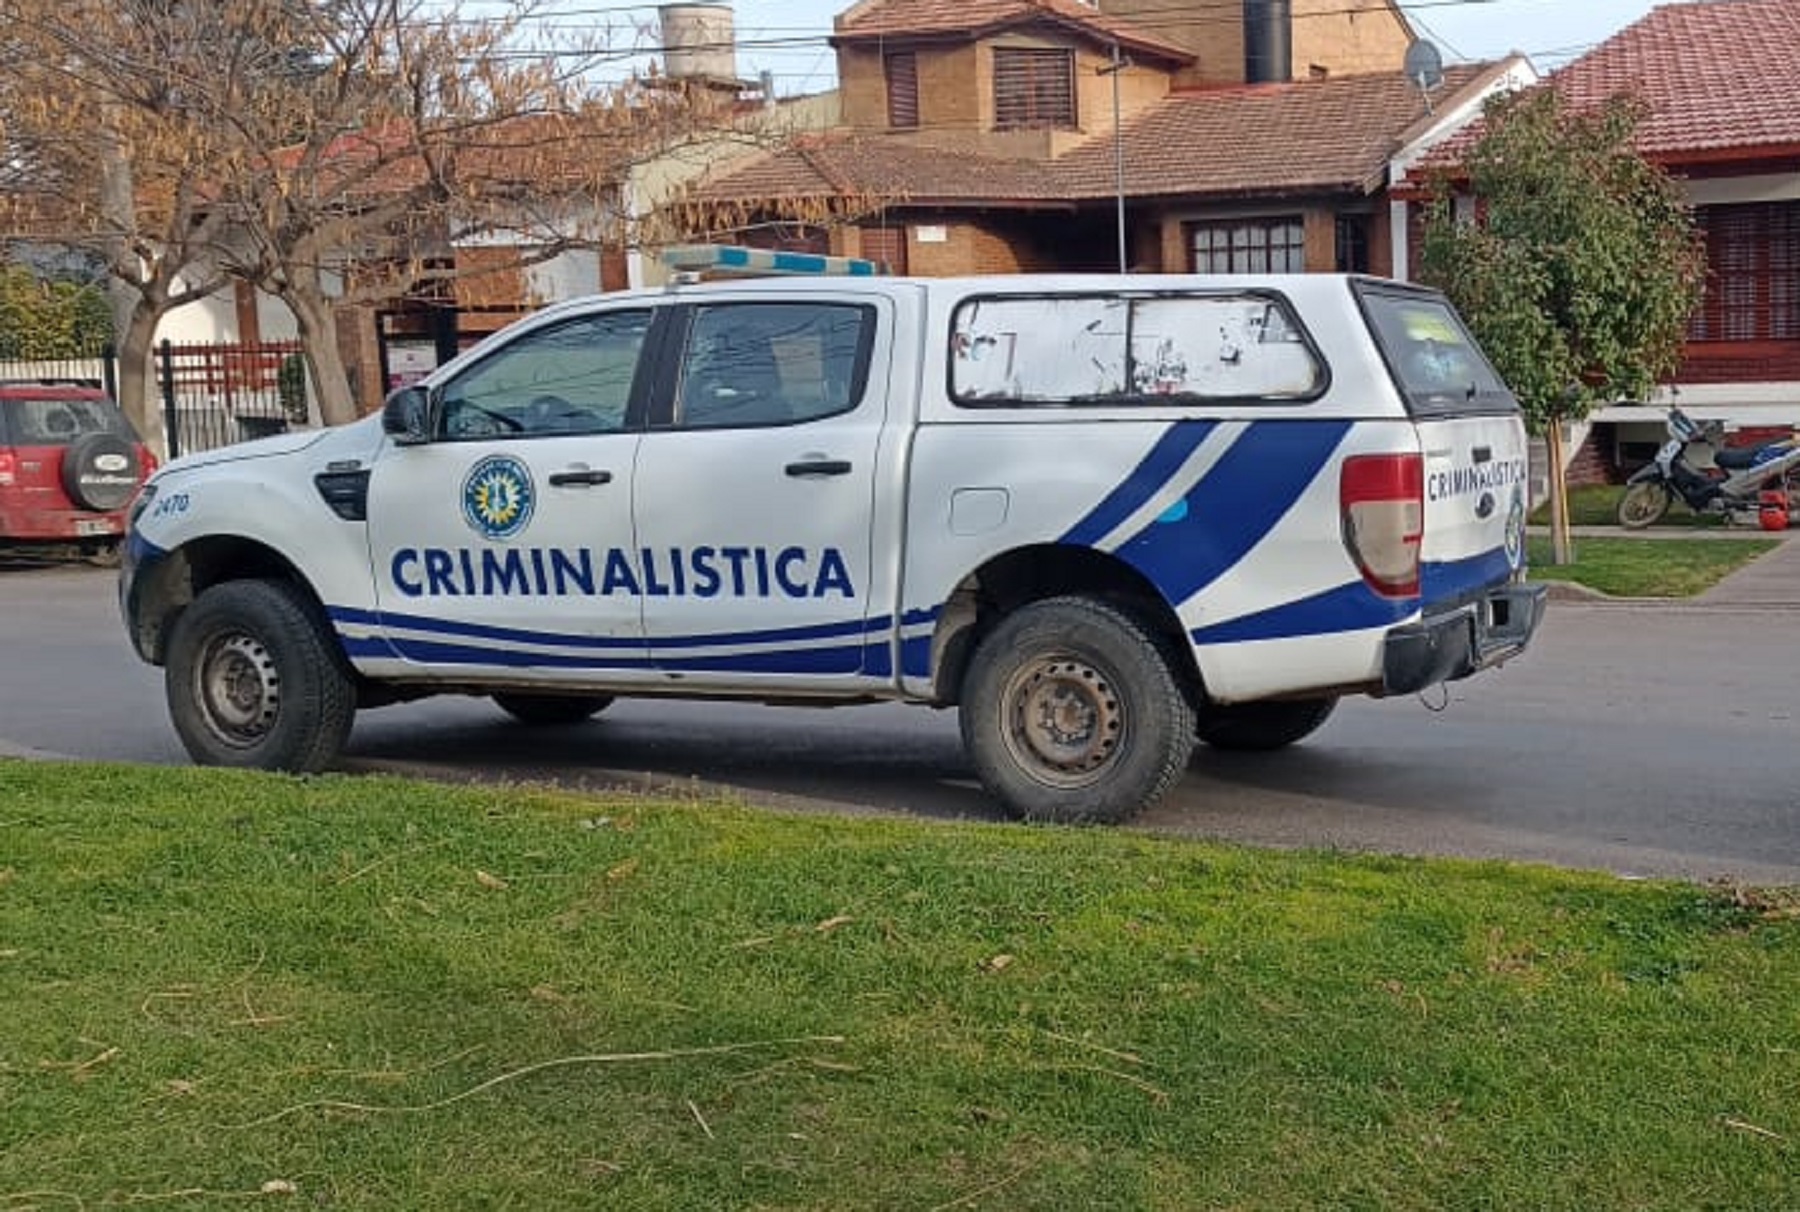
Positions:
(1337, 133)
(972, 18)
(1311, 136)
(1717, 75)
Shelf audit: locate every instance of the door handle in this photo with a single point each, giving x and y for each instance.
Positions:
(819, 467)
(581, 478)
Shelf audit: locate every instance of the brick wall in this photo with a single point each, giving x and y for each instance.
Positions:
(973, 248)
(1347, 39)
(1592, 462)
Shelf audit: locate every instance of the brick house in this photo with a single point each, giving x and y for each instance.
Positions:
(1020, 135)
(1721, 83)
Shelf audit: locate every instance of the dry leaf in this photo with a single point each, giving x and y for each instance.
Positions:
(489, 881)
(279, 1186)
(622, 870)
(832, 923)
(998, 963)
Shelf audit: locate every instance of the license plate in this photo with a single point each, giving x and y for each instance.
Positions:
(88, 526)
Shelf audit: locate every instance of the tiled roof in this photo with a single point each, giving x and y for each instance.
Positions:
(837, 164)
(1332, 134)
(1312, 136)
(971, 19)
(1717, 76)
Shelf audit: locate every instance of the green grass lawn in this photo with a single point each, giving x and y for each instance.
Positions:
(1598, 505)
(220, 989)
(1646, 568)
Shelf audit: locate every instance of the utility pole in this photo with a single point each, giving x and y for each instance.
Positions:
(1114, 69)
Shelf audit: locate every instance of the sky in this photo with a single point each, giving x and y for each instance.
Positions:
(787, 37)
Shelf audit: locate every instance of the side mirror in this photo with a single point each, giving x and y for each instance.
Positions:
(406, 416)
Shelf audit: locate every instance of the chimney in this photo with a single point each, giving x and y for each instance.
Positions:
(1268, 41)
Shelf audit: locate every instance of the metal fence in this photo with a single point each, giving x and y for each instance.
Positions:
(96, 369)
(215, 395)
(208, 395)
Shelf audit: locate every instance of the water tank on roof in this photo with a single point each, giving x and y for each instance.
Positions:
(1268, 41)
(699, 42)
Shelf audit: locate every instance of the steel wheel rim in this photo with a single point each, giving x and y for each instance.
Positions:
(238, 689)
(1062, 721)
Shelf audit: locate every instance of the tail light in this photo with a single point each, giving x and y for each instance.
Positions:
(9, 468)
(147, 462)
(1381, 499)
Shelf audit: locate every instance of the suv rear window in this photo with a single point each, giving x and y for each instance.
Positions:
(58, 421)
(1114, 349)
(1434, 361)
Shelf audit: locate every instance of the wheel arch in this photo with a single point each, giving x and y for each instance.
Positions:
(1024, 575)
(163, 590)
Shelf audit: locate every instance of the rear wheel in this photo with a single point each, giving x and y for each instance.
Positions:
(1262, 726)
(550, 709)
(253, 679)
(1072, 713)
(1643, 504)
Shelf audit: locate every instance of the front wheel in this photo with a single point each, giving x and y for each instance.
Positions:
(1259, 727)
(552, 709)
(1072, 713)
(253, 679)
(1643, 504)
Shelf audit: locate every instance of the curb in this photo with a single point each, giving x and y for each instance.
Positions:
(25, 753)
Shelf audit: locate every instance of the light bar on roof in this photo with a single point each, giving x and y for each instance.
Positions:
(735, 259)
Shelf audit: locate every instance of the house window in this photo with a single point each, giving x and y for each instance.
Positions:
(903, 89)
(1033, 88)
(1753, 288)
(1353, 244)
(1249, 246)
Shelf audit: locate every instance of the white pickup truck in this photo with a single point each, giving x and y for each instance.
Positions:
(1102, 516)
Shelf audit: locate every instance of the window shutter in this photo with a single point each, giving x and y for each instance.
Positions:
(903, 89)
(1033, 88)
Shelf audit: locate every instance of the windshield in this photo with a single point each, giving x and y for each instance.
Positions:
(1432, 356)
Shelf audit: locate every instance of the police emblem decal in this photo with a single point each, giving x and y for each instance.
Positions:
(498, 497)
(1515, 529)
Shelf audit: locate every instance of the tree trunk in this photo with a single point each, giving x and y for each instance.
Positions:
(139, 400)
(124, 289)
(1562, 547)
(318, 337)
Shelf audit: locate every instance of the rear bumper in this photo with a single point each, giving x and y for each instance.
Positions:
(1475, 636)
(60, 525)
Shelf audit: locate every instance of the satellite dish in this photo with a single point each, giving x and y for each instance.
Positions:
(1423, 65)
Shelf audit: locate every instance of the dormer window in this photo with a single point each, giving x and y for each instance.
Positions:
(1033, 87)
(902, 70)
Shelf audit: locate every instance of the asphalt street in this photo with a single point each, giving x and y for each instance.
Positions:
(1645, 739)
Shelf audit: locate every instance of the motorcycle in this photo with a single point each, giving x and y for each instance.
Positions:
(1735, 483)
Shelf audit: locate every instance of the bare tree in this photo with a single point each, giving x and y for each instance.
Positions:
(98, 161)
(334, 151)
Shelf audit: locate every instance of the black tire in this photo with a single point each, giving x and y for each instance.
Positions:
(552, 709)
(254, 679)
(1124, 727)
(100, 471)
(1259, 727)
(1643, 504)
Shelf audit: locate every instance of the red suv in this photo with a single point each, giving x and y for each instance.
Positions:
(69, 466)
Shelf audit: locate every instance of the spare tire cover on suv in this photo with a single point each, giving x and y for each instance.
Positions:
(100, 471)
